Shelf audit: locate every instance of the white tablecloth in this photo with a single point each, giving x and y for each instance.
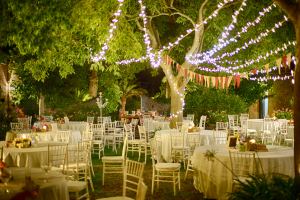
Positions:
(54, 189)
(78, 126)
(205, 136)
(21, 157)
(215, 180)
(257, 124)
(75, 136)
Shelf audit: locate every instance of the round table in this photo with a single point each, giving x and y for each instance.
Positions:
(215, 180)
(21, 157)
(204, 137)
(54, 188)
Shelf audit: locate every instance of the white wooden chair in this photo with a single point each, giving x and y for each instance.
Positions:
(78, 170)
(202, 122)
(144, 145)
(133, 185)
(222, 126)
(268, 134)
(242, 165)
(57, 156)
(220, 137)
(62, 136)
(133, 143)
(193, 141)
(26, 122)
(98, 139)
(114, 164)
(109, 136)
(233, 124)
(16, 126)
(163, 172)
(179, 147)
(90, 120)
(48, 118)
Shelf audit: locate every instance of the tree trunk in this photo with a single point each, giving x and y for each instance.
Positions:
(293, 10)
(176, 107)
(41, 105)
(5, 85)
(93, 83)
(123, 105)
(297, 102)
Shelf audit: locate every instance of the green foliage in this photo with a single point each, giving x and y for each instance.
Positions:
(216, 104)
(251, 91)
(7, 115)
(283, 114)
(261, 187)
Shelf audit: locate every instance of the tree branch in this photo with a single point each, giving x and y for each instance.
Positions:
(182, 14)
(138, 24)
(291, 8)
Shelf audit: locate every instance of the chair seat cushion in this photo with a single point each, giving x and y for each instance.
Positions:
(116, 198)
(75, 186)
(167, 166)
(112, 158)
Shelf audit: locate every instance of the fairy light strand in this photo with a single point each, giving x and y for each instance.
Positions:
(254, 41)
(181, 37)
(101, 55)
(206, 56)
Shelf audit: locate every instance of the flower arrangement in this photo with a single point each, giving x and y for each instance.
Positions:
(284, 113)
(4, 173)
(22, 142)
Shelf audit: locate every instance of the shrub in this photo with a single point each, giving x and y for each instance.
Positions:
(216, 104)
(283, 114)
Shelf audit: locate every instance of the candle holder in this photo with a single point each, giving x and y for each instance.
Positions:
(100, 103)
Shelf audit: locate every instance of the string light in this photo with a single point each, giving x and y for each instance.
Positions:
(273, 78)
(196, 27)
(231, 26)
(206, 56)
(101, 55)
(177, 41)
(132, 60)
(254, 41)
(154, 59)
(230, 69)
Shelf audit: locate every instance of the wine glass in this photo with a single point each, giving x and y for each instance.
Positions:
(5, 177)
(46, 168)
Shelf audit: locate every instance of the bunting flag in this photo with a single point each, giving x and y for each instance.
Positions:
(228, 81)
(222, 82)
(288, 59)
(267, 68)
(202, 79)
(254, 71)
(213, 82)
(178, 68)
(284, 61)
(238, 80)
(278, 64)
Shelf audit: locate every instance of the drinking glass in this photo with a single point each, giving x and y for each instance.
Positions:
(5, 177)
(46, 168)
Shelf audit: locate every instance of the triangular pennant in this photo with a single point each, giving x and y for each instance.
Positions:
(267, 68)
(278, 65)
(238, 80)
(234, 81)
(228, 81)
(213, 81)
(288, 59)
(284, 61)
(222, 81)
(178, 68)
(217, 82)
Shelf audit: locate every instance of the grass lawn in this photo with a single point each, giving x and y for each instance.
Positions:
(113, 182)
